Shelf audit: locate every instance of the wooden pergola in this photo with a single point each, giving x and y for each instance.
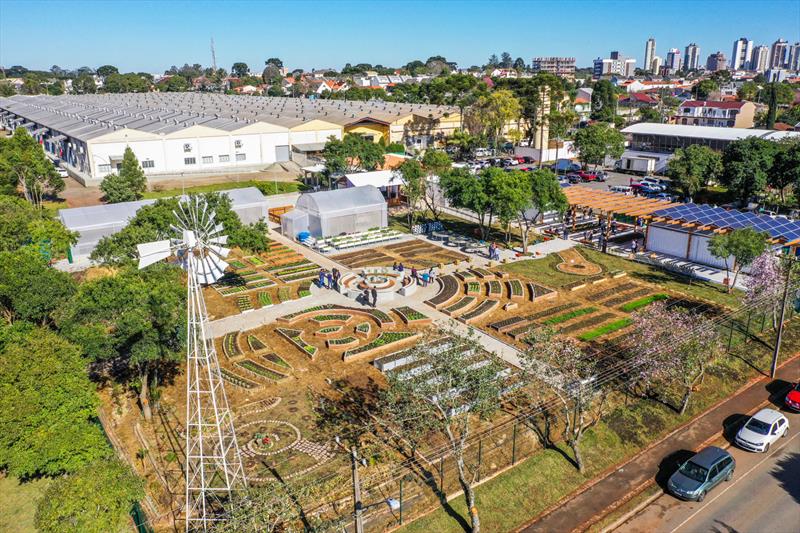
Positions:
(611, 203)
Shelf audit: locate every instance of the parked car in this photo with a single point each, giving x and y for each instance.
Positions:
(653, 182)
(482, 152)
(587, 175)
(574, 178)
(704, 471)
(661, 196)
(565, 165)
(761, 430)
(601, 176)
(624, 189)
(647, 188)
(62, 172)
(792, 400)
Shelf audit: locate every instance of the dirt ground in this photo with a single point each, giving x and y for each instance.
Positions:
(416, 254)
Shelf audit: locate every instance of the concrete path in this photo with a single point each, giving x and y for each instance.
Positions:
(584, 508)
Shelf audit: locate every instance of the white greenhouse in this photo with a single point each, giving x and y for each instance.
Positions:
(330, 213)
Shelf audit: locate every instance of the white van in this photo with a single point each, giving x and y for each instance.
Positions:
(624, 189)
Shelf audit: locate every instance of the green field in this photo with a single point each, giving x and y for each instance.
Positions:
(266, 188)
(18, 503)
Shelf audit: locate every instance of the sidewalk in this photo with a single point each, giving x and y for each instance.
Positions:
(578, 512)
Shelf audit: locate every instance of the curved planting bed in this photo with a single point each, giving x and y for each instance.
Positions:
(293, 336)
(362, 330)
(237, 380)
(507, 324)
(495, 288)
(411, 316)
(485, 307)
(481, 273)
(379, 316)
(328, 331)
(448, 289)
(473, 287)
(515, 289)
(331, 319)
(260, 370)
(341, 344)
(276, 359)
(255, 344)
(465, 276)
(230, 345)
(459, 306)
(380, 342)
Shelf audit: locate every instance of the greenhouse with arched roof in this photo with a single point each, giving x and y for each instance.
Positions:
(330, 213)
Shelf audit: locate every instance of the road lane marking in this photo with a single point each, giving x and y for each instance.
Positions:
(767, 457)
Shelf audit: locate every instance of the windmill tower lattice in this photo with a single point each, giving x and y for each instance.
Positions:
(214, 473)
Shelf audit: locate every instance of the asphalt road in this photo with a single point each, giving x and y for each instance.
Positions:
(764, 496)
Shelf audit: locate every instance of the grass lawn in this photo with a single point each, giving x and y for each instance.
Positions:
(18, 503)
(544, 271)
(265, 186)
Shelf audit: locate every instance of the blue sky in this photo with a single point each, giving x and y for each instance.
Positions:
(153, 35)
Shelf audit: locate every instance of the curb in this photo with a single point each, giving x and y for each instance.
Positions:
(591, 483)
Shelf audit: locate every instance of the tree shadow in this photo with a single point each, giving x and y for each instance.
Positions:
(787, 472)
(777, 390)
(731, 426)
(670, 464)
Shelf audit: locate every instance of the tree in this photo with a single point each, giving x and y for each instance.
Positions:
(24, 164)
(96, 499)
(748, 91)
(650, 114)
(674, 348)
(135, 319)
(511, 193)
(785, 170)
(598, 141)
(764, 285)
(519, 64)
(691, 168)
(559, 123)
(704, 89)
(107, 70)
(746, 164)
(21, 224)
(559, 364)
(741, 246)
(351, 153)
(492, 62)
(127, 185)
(48, 406)
(174, 84)
(29, 289)
(505, 60)
(413, 186)
(449, 398)
(6, 89)
(546, 194)
(435, 163)
(772, 104)
(55, 89)
(465, 191)
(491, 113)
(240, 70)
(84, 85)
(604, 101)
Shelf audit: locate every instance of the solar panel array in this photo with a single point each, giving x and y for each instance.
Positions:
(708, 215)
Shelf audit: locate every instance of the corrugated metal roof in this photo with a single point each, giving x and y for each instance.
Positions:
(706, 132)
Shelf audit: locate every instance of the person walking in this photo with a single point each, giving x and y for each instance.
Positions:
(431, 274)
(321, 278)
(414, 273)
(374, 296)
(329, 276)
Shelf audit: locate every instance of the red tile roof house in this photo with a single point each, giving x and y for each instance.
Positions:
(719, 114)
(638, 100)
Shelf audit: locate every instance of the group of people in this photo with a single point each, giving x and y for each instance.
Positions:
(329, 279)
(370, 296)
(494, 252)
(423, 278)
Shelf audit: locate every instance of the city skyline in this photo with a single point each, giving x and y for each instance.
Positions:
(327, 35)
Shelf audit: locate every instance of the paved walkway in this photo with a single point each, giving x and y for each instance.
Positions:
(597, 500)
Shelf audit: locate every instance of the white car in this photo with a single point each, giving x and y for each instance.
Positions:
(761, 430)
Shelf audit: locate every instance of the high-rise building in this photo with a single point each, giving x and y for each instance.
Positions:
(777, 56)
(716, 61)
(615, 55)
(793, 62)
(673, 63)
(655, 64)
(649, 53)
(760, 60)
(742, 54)
(616, 65)
(691, 57)
(563, 67)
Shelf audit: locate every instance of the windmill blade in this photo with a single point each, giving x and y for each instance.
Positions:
(216, 266)
(153, 252)
(216, 230)
(222, 239)
(219, 251)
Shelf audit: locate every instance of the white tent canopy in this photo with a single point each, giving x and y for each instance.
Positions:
(377, 178)
(340, 211)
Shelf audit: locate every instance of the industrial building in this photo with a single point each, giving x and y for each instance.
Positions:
(185, 134)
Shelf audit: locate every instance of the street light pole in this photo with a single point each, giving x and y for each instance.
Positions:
(779, 337)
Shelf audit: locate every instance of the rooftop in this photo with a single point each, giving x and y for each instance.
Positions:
(706, 132)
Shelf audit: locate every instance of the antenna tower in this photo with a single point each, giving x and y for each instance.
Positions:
(213, 56)
(213, 467)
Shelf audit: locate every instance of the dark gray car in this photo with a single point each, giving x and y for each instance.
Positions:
(704, 471)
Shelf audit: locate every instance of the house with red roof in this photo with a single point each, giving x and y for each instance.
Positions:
(719, 114)
(641, 99)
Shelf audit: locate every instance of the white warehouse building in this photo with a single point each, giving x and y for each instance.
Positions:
(180, 134)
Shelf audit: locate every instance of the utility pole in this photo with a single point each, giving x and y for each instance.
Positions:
(359, 508)
(774, 368)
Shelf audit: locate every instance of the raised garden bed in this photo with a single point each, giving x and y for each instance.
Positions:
(328, 331)
(237, 380)
(540, 292)
(284, 294)
(276, 268)
(559, 319)
(411, 315)
(298, 277)
(465, 275)
(331, 319)
(289, 270)
(381, 341)
(448, 289)
(605, 329)
(255, 261)
(291, 317)
(260, 284)
(460, 305)
(244, 304)
(575, 285)
(264, 299)
(230, 345)
(237, 264)
(552, 311)
(293, 336)
(502, 274)
(515, 289)
(276, 360)
(643, 302)
(473, 287)
(481, 273)
(255, 344)
(613, 291)
(260, 370)
(617, 300)
(304, 291)
(495, 288)
(363, 330)
(342, 343)
(382, 318)
(521, 332)
(483, 308)
(506, 324)
(587, 323)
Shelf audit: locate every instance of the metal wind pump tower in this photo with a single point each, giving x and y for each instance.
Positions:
(213, 467)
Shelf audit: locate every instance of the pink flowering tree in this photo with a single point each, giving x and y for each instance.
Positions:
(764, 285)
(672, 350)
(569, 376)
